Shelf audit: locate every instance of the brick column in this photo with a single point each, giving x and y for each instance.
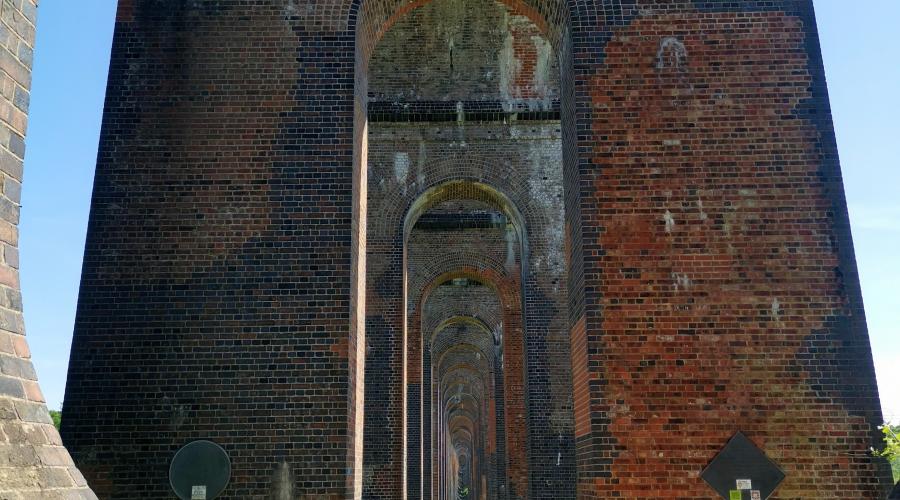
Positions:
(33, 462)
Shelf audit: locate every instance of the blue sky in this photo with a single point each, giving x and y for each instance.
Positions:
(71, 61)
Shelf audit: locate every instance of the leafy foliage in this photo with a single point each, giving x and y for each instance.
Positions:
(56, 415)
(891, 449)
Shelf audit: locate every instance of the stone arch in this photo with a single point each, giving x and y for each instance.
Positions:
(464, 189)
(470, 319)
(512, 426)
(419, 286)
(369, 20)
(471, 265)
(488, 319)
(457, 173)
(455, 364)
(480, 344)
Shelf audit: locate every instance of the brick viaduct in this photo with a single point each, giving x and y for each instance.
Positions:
(386, 249)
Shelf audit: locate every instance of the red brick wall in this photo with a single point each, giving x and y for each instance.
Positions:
(720, 288)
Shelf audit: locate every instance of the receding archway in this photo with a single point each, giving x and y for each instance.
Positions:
(414, 169)
(440, 286)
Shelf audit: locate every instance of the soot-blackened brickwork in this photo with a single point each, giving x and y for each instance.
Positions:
(217, 277)
(686, 274)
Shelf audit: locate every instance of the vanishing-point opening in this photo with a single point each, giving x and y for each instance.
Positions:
(475, 272)
(460, 142)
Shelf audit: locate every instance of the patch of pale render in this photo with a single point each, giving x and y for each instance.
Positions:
(512, 242)
(283, 482)
(545, 189)
(420, 166)
(670, 221)
(542, 78)
(401, 169)
(682, 281)
(509, 66)
(671, 53)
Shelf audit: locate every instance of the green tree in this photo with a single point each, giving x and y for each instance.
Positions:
(891, 450)
(56, 415)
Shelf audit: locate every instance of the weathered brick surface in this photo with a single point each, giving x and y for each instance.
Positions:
(217, 289)
(471, 50)
(438, 164)
(31, 466)
(679, 265)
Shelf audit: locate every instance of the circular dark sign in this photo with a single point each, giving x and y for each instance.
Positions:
(200, 471)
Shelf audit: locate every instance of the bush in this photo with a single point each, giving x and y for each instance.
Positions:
(56, 415)
(891, 449)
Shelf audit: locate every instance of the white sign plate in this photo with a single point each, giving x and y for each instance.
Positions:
(198, 492)
(744, 484)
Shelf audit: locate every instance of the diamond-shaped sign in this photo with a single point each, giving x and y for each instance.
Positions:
(742, 471)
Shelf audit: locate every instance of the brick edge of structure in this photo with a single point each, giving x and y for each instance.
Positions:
(33, 462)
